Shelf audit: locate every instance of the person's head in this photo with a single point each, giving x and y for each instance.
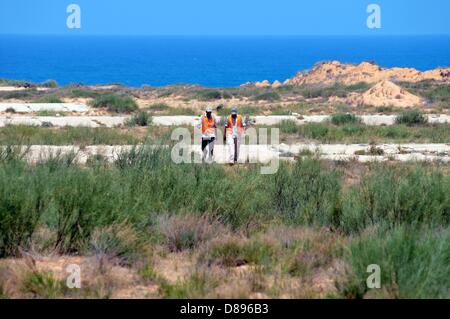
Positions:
(234, 112)
(209, 112)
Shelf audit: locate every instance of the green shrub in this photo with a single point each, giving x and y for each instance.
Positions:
(198, 285)
(48, 99)
(50, 84)
(180, 111)
(439, 94)
(394, 197)
(414, 263)
(234, 252)
(267, 96)
(289, 127)
(117, 240)
(19, 83)
(306, 193)
(411, 118)
(344, 118)
(35, 135)
(115, 103)
(22, 203)
(46, 124)
(83, 93)
(140, 119)
(43, 285)
(20, 94)
(143, 184)
(208, 95)
(158, 107)
(187, 232)
(317, 131)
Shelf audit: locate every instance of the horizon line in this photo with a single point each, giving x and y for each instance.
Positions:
(223, 35)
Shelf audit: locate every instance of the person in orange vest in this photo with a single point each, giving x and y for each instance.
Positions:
(209, 126)
(234, 129)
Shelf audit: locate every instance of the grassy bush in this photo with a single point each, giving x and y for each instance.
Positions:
(83, 93)
(267, 96)
(7, 82)
(158, 107)
(198, 285)
(180, 111)
(34, 135)
(43, 285)
(143, 184)
(188, 232)
(344, 118)
(393, 197)
(414, 263)
(117, 241)
(115, 103)
(337, 89)
(208, 95)
(52, 84)
(306, 193)
(21, 205)
(19, 95)
(140, 119)
(48, 99)
(237, 252)
(289, 127)
(411, 118)
(360, 133)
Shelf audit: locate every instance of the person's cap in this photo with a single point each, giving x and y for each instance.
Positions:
(234, 110)
(208, 109)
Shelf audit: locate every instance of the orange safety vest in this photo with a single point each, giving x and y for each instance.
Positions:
(208, 125)
(239, 125)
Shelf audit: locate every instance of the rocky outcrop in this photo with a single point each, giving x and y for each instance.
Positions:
(276, 84)
(329, 73)
(263, 84)
(385, 93)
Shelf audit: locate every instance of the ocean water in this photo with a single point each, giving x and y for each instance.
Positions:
(209, 61)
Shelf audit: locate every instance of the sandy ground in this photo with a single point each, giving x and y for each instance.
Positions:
(37, 107)
(264, 154)
(15, 88)
(113, 121)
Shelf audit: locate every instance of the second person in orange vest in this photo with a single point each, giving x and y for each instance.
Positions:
(234, 129)
(209, 126)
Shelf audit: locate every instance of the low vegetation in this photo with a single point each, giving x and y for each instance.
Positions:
(344, 118)
(142, 118)
(48, 99)
(115, 103)
(360, 133)
(34, 135)
(395, 216)
(411, 118)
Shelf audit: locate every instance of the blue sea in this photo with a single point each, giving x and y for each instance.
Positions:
(209, 61)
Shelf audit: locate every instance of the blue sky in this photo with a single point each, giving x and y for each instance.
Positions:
(225, 17)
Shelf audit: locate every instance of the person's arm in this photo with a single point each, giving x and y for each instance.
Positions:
(225, 132)
(200, 125)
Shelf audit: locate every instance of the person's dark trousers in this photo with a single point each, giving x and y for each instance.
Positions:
(205, 143)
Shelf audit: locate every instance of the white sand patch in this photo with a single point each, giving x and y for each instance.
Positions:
(262, 153)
